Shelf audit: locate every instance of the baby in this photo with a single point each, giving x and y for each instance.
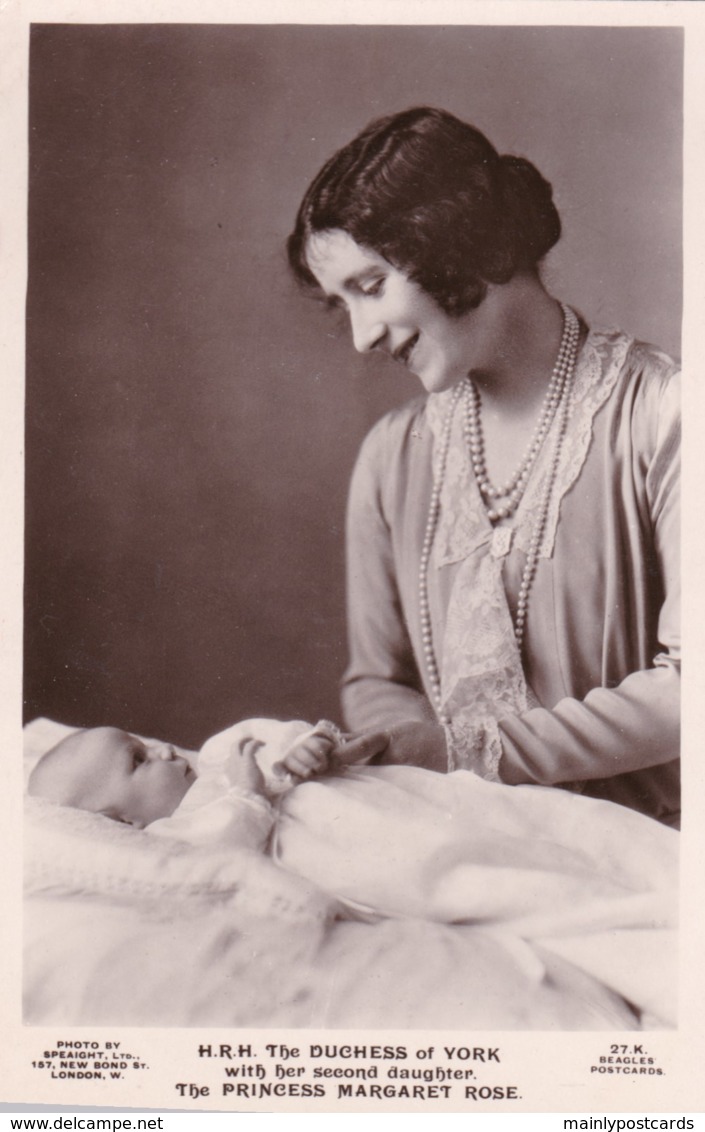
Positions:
(143, 782)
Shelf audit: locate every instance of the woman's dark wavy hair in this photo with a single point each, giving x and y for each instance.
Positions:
(432, 196)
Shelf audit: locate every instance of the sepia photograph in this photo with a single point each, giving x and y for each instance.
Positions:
(352, 553)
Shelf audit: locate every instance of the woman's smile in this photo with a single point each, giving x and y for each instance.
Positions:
(391, 313)
(404, 352)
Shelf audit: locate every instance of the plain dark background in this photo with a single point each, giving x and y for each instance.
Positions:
(192, 419)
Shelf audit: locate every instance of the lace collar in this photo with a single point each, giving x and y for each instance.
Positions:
(463, 526)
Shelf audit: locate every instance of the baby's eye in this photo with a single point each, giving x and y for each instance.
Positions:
(138, 756)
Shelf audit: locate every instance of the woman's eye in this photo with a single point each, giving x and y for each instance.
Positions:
(373, 288)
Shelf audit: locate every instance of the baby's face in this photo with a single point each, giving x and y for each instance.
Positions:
(126, 778)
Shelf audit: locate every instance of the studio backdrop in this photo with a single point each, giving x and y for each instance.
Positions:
(192, 420)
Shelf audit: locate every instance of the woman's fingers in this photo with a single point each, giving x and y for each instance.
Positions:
(362, 748)
(414, 743)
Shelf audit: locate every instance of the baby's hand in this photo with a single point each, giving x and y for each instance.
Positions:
(311, 756)
(242, 769)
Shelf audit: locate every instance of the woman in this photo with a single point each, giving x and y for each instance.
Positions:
(513, 548)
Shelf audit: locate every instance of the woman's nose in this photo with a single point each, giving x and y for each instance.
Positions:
(367, 332)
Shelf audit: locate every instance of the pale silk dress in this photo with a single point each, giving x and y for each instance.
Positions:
(595, 701)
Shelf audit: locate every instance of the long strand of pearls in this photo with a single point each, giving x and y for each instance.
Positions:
(512, 491)
(424, 607)
(532, 556)
(561, 379)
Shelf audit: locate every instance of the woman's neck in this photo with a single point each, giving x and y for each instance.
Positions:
(528, 326)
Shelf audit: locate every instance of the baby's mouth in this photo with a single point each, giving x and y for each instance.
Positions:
(403, 353)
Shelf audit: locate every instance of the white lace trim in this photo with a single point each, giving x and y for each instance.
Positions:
(482, 678)
(474, 747)
(463, 525)
(600, 364)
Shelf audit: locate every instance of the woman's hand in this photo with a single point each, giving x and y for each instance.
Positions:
(405, 744)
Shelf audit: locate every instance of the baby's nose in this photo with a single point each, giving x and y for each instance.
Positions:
(160, 750)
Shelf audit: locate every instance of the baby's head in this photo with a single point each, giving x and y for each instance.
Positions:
(111, 772)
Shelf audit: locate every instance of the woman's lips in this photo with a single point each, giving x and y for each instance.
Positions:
(404, 352)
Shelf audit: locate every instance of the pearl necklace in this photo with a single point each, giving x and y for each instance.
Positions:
(424, 607)
(512, 491)
(562, 407)
(532, 556)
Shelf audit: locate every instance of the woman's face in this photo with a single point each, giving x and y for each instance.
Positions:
(389, 312)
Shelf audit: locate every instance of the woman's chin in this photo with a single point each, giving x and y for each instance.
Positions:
(434, 382)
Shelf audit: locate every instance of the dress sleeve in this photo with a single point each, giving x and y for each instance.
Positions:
(214, 813)
(381, 685)
(637, 724)
(237, 820)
